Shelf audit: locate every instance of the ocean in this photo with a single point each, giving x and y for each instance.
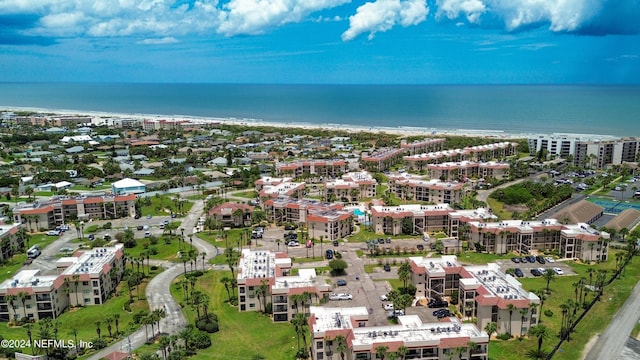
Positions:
(513, 109)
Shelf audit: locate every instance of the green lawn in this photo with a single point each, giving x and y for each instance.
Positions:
(365, 234)
(163, 205)
(498, 209)
(561, 290)
(242, 334)
(9, 268)
(249, 194)
(87, 188)
(84, 319)
(164, 251)
(470, 257)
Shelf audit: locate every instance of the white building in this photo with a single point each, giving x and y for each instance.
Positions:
(128, 186)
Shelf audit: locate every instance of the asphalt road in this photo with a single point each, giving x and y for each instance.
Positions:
(159, 295)
(610, 344)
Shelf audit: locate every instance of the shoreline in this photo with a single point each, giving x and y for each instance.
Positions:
(404, 131)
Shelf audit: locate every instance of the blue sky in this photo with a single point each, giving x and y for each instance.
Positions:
(321, 41)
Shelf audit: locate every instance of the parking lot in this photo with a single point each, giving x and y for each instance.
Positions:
(526, 267)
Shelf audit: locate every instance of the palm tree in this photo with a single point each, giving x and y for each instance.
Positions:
(341, 345)
(98, 330)
(22, 296)
(381, 352)
(549, 275)
(203, 255)
(109, 320)
(226, 282)
(590, 272)
(164, 342)
(511, 308)
(299, 321)
(402, 352)
(116, 319)
(404, 273)
(523, 314)
(491, 328)
(541, 332)
(159, 314)
(261, 292)
(11, 300)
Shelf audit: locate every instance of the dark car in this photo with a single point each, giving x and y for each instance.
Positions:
(387, 267)
(380, 241)
(341, 282)
(515, 260)
(140, 227)
(335, 243)
(329, 254)
(540, 259)
(536, 272)
(442, 313)
(420, 247)
(289, 227)
(91, 237)
(388, 241)
(531, 258)
(519, 272)
(438, 303)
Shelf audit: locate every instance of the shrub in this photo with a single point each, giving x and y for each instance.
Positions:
(127, 307)
(99, 344)
(548, 313)
(153, 240)
(153, 251)
(154, 267)
(201, 340)
(212, 327)
(107, 226)
(505, 336)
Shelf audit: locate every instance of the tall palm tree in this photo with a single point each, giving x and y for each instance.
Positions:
(22, 296)
(341, 345)
(261, 292)
(523, 313)
(541, 332)
(98, 330)
(491, 328)
(381, 352)
(510, 308)
(116, 319)
(549, 275)
(402, 352)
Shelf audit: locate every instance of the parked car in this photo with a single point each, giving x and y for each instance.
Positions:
(388, 241)
(394, 314)
(536, 272)
(329, 254)
(341, 282)
(289, 227)
(531, 258)
(380, 241)
(140, 227)
(149, 216)
(420, 247)
(341, 296)
(387, 267)
(542, 270)
(519, 272)
(91, 237)
(293, 243)
(558, 271)
(540, 259)
(442, 313)
(435, 303)
(384, 298)
(53, 233)
(147, 234)
(515, 260)
(549, 259)
(388, 306)
(335, 243)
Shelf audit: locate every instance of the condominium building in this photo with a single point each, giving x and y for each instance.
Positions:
(57, 211)
(320, 168)
(484, 292)
(264, 277)
(321, 219)
(11, 240)
(382, 159)
(415, 338)
(352, 187)
(597, 151)
(290, 189)
(571, 241)
(87, 278)
(421, 218)
(433, 191)
(450, 171)
(480, 153)
(422, 146)
(270, 181)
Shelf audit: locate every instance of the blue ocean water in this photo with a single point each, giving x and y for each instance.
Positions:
(612, 110)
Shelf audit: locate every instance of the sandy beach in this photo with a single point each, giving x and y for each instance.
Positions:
(400, 130)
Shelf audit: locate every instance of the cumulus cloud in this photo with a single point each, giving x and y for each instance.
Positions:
(596, 17)
(382, 15)
(254, 16)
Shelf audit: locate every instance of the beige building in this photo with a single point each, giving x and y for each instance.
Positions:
(54, 212)
(479, 153)
(382, 159)
(418, 340)
(570, 240)
(433, 191)
(352, 187)
(270, 181)
(11, 241)
(484, 292)
(264, 277)
(463, 170)
(290, 189)
(422, 146)
(87, 278)
(320, 168)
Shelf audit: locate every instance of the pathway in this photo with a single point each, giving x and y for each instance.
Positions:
(159, 295)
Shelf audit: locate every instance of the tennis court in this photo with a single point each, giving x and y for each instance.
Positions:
(613, 206)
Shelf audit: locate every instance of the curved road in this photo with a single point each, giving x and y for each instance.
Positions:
(159, 295)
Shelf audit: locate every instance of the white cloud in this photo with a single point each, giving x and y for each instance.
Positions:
(382, 15)
(254, 16)
(160, 41)
(560, 15)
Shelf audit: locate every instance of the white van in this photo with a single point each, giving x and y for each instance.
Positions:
(147, 234)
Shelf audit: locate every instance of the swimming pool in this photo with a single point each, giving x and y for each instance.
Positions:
(614, 207)
(358, 212)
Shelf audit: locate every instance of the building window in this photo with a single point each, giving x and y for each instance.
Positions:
(241, 289)
(95, 283)
(250, 288)
(252, 306)
(319, 345)
(85, 283)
